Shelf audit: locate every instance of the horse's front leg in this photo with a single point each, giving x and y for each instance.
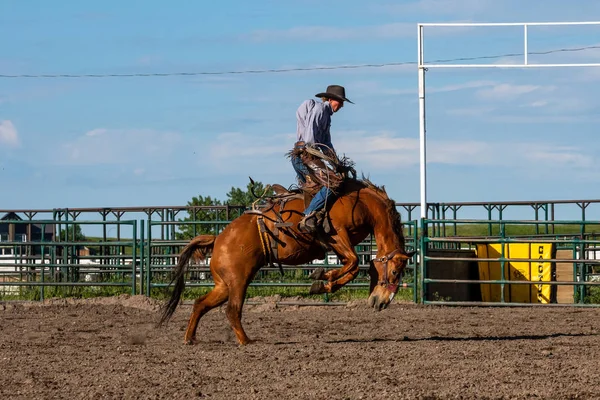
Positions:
(336, 278)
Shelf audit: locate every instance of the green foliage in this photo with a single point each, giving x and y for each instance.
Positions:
(237, 196)
(592, 295)
(266, 283)
(73, 233)
(204, 212)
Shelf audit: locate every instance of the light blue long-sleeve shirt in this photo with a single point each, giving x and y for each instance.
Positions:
(313, 123)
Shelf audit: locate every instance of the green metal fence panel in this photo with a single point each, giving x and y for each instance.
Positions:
(577, 235)
(142, 256)
(57, 263)
(162, 256)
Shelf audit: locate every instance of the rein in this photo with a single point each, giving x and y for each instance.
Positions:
(385, 281)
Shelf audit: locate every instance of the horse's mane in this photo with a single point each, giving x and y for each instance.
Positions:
(390, 204)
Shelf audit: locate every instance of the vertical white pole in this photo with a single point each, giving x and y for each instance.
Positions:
(525, 43)
(422, 155)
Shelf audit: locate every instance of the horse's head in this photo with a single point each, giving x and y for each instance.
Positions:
(386, 273)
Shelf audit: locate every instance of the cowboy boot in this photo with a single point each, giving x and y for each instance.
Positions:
(308, 223)
(323, 221)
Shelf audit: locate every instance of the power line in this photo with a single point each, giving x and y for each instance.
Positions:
(570, 49)
(284, 70)
(250, 71)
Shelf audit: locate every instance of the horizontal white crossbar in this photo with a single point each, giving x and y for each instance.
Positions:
(508, 65)
(510, 23)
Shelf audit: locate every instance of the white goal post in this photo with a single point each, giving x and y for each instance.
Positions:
(423, 66)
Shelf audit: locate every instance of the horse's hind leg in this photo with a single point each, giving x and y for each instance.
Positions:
(202, 305)
(237, 295)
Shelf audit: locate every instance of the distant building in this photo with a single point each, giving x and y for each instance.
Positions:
(23, 232)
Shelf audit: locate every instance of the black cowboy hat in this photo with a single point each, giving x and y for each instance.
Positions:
(335, 92)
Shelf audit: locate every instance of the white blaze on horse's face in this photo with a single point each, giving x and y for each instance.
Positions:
(392, 296)
(389, 272)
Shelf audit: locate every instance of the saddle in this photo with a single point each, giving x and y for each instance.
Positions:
(324, 170)
(306, 194)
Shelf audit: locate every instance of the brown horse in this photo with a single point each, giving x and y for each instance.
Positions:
(243, 248)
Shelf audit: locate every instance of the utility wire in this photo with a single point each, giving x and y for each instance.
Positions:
(284, 70)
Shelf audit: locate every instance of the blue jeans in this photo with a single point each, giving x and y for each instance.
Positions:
(322, 195)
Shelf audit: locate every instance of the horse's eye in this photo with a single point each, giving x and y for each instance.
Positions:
(394, 272)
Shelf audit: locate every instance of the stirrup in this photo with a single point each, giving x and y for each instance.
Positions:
(306, 227)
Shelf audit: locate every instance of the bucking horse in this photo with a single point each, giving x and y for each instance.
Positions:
(270, 234)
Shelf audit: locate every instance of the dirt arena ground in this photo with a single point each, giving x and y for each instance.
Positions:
(110, 349)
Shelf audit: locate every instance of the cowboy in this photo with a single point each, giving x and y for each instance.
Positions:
(313, 123)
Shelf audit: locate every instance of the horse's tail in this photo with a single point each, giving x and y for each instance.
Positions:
(196, 249)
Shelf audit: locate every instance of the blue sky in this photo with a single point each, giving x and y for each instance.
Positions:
(493, 135)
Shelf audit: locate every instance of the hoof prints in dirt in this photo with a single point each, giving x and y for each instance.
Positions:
(113, 349)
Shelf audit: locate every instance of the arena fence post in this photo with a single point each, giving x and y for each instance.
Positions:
(142, 256)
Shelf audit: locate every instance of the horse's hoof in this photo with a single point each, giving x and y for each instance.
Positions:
(189, 342)
(247, 342)
(318, 274)
(317, 288)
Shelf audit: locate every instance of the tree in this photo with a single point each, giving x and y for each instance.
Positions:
(188, 231)
(73, 233)
(235, 197)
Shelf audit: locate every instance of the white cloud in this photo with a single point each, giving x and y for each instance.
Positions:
(567, 104)
(460, 86)
(96, 132)
(546, 155)
(475, 111)
(524, 102)
(460, 153)
(8, 134)
(561, 155)
(381, 150)
(385, 151)
(235, 152)
(118, 146)
(363, 142)
(577, 52)
(235, 144)
(538, 103)
(585, 75)
(507, 91)
(372, 87)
